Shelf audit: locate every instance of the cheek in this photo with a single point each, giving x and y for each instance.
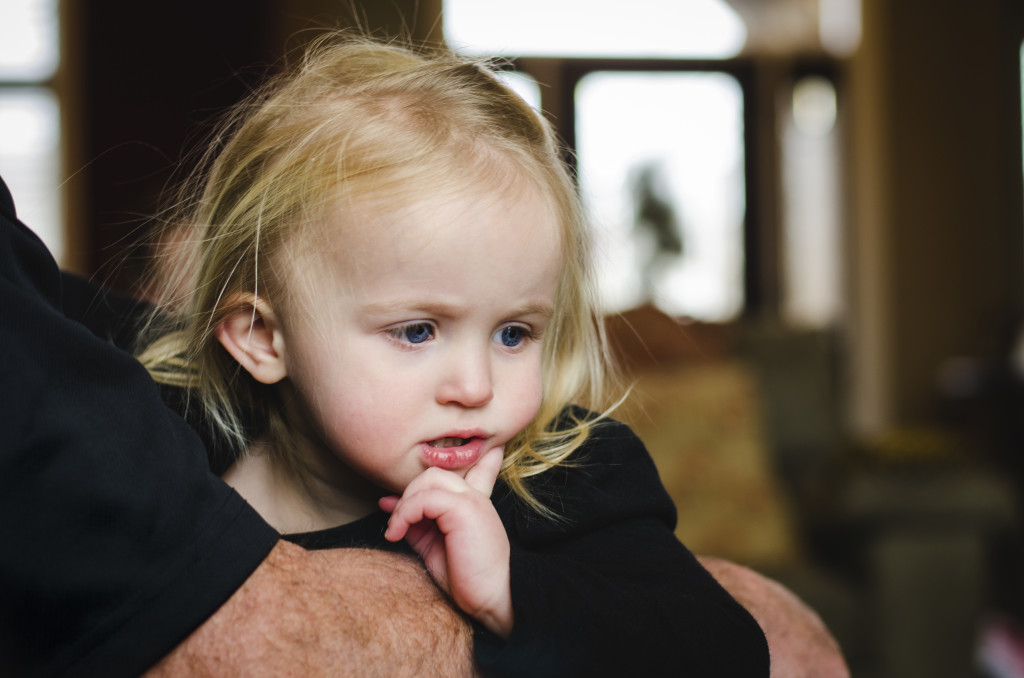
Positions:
(335, 392)
(358, 405)
(526, 397)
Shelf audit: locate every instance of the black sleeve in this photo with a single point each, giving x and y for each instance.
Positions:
(611, 591)
(112, 316)
(116, 541)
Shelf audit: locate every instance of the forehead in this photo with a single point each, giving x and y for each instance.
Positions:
(505, 223)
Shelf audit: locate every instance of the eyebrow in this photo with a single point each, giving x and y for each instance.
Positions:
(545, 311)
(443, 310)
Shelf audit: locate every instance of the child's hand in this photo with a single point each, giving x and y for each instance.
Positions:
(452, 524)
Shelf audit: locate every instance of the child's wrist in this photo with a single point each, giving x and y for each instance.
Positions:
(498, 621)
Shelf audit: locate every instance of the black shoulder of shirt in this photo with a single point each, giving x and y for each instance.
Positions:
(117, 540)
(112, 316)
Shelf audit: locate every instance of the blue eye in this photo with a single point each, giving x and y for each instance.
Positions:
(512, 336)
(416, 333)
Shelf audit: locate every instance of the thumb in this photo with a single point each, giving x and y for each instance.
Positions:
(485, 472)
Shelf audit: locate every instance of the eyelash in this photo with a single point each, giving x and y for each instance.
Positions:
(401, 334)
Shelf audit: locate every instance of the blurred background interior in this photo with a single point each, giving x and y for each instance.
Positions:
(811, 229)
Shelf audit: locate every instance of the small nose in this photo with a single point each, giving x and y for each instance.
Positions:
(467, 379)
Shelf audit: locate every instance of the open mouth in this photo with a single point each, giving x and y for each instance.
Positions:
(453, 452)
(449, 442)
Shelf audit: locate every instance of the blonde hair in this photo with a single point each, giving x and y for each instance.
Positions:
(358, 117)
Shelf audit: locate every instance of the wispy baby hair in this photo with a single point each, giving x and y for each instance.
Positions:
(360, 119)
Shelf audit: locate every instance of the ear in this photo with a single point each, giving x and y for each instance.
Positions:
(252, 335)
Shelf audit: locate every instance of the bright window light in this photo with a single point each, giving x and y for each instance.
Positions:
(661, 170)
(30, 116)
(28, 40)
(839, 26)
(594, 28)
(811, 230)
(29, 159)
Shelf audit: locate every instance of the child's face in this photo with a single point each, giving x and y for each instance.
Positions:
(424, 344)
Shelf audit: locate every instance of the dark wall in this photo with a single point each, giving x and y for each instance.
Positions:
(151, 78)
(937, 244)
(146, 81)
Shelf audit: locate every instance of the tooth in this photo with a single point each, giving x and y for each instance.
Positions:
(450, 442)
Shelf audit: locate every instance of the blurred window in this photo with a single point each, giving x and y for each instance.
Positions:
(30, 140)
(582, 28)
(661, 167)
(660, 154)
(655, 103)
(811, 294)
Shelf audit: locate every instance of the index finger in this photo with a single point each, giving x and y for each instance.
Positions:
(485, 472)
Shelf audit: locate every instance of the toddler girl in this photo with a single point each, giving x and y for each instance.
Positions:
(381, 302)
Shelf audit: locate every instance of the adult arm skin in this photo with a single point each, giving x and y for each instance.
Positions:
(298, 612)
(343, 612)
(799, 644)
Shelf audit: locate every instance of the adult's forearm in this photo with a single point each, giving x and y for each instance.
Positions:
(343, 612)
(358, 613)
(799, 643)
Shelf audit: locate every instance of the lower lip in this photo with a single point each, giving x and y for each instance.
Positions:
(451, 458)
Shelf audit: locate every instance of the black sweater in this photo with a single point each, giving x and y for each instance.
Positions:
(116, 540)
(608, 590)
